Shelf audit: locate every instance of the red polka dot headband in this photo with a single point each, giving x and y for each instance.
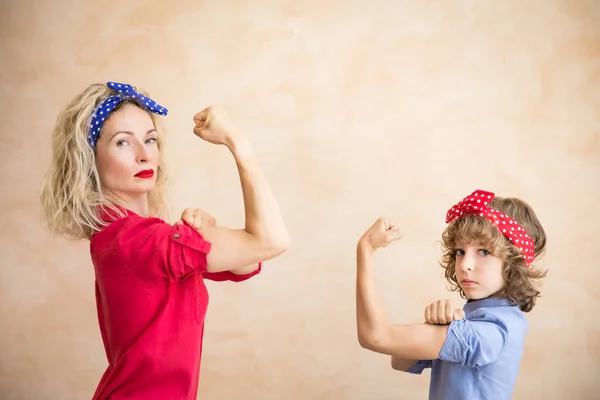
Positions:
(477, 203)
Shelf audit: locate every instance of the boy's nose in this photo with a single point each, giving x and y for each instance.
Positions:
(468, 263)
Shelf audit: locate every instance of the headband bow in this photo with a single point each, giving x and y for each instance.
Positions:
(109, 104)
(477, 203)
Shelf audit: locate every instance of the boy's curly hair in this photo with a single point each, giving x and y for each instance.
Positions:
(521, 282)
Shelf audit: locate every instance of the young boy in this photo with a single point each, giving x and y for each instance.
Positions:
(489, 247)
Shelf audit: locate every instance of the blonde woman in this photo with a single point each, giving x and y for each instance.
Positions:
(105, 185)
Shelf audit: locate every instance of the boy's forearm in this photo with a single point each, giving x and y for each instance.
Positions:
(372, 323)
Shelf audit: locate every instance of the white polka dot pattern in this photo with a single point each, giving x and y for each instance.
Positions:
(477, 203)
(108, 105)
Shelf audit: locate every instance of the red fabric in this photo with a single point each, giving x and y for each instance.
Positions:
(151, 302)
(477, 203)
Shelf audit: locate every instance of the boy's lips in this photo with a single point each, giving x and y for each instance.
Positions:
(468, 282)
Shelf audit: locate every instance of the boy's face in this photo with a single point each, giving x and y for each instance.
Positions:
(478, 272)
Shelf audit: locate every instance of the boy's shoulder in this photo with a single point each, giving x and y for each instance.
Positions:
(503, 309)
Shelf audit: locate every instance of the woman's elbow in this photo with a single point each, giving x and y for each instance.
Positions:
(280, 245)
(285, 244)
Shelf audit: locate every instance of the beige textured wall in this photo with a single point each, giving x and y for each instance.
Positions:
(356, 109)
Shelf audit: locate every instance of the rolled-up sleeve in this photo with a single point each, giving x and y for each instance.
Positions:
(230, 276)
(419, 367)
(153, 249)
(476, 341)
(187, 251)
(187, 254)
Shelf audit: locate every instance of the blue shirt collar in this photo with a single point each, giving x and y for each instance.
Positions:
(487, 302)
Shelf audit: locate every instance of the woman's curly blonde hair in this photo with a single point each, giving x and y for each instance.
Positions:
(521, 281)
(71, 194)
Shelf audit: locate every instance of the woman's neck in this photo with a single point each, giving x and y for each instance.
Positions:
(138, 204)
(140, 209)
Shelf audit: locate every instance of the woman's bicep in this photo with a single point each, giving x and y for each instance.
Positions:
(233, 249)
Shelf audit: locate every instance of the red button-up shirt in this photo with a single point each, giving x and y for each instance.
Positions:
(151, 302)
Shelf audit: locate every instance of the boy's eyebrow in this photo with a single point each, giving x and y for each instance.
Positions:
(473, 243)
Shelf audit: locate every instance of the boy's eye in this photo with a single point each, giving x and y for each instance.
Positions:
(459, 252)
(484, 252)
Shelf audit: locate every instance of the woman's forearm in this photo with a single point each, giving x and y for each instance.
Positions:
(263, 216)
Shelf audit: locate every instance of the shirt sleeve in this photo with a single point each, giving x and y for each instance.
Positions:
(153, 249)
(419, 367)
(475, 341)
(230, 276)
(187, 251)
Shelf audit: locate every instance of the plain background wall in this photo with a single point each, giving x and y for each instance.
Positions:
(356, 109)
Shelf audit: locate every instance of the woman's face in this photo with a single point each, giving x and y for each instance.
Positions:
(127, 154)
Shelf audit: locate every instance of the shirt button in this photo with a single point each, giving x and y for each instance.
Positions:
(176, 236)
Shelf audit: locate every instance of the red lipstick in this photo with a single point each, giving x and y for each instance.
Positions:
(145, 174)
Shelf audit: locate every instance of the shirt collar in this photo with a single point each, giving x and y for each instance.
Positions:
(488, 302)
(108, 215)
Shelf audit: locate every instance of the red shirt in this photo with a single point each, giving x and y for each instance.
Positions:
(151, 302)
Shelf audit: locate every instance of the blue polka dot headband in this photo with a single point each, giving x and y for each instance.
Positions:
(108, 105)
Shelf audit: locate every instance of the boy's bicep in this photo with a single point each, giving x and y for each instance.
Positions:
(411, 341)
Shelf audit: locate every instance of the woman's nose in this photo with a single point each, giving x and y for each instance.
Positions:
(142, 154)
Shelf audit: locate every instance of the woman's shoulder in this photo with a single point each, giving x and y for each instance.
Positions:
(127, 228)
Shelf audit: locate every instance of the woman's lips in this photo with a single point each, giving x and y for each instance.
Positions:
(145, 174)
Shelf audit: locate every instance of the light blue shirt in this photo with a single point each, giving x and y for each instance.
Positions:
(481, 355)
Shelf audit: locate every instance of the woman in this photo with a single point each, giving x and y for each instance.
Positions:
(105, 185)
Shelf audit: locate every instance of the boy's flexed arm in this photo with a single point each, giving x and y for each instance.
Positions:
(413, 341)
(472, 343)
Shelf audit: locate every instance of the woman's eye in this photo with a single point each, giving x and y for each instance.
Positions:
(121, 142)
(151, 140)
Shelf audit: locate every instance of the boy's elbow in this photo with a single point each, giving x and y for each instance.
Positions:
(364, 343)
(369, 342)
